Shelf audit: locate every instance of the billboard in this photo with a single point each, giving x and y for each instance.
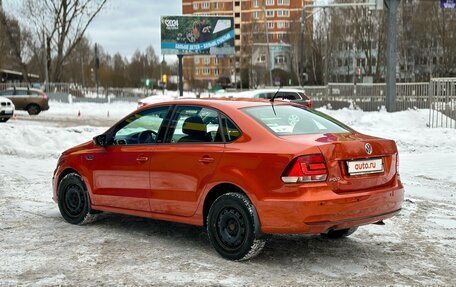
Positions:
(448, 4)
(193, 35)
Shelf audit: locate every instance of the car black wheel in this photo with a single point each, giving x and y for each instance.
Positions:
(3, 120)
(335, 234)
(33, 109)
(74, 202)
(231, 227)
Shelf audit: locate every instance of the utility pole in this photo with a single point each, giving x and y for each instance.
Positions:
(301, 68)
(181, 81)
(391, 57)
(97, 66)
(267, 43)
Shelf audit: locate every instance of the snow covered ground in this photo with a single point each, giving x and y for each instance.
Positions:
(39, 249)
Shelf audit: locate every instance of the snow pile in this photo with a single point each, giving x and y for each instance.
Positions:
(30, 140)
(92, 110)
(408, 128)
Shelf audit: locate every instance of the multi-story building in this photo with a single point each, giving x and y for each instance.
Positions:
(253, 20)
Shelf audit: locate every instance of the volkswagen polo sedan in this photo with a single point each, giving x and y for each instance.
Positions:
(243, 169)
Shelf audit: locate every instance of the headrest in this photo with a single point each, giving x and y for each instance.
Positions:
(194, 126)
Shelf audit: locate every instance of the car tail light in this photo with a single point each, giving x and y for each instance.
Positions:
(44, 96)
(397, 163)
(307, 168)
(309, 104)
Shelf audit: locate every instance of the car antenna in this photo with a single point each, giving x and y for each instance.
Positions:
(272, 101)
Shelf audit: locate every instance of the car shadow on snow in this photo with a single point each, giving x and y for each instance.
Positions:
(279, 248)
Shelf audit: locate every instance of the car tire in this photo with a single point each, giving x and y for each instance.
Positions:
(4, 120)
(341, 233)
(231, 227)
(33, 109)
(74, 201)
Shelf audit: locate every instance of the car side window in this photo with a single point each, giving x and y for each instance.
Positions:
(141, 128)
(21, 92)
(230, 131)
(7, 93)
(303, 96)
(193, 124)
(288, 96)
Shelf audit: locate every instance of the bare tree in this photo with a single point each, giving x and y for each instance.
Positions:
(60, 25)
(15, 42)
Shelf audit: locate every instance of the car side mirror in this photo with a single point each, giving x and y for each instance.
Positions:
(100, 140)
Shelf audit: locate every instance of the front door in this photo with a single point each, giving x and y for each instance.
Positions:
(184, 164)
(121, 170)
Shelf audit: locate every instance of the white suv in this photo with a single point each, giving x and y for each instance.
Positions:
(6, 109)
(293, 95)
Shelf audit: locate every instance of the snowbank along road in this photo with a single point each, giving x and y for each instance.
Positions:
(39, 249)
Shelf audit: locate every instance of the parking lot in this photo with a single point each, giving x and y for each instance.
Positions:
(39, 249)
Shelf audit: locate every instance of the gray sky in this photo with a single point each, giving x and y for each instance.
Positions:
(126, 25)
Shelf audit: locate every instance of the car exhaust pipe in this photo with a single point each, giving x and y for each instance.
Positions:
(379, 222)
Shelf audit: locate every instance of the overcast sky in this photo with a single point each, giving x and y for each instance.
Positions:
(124, 26)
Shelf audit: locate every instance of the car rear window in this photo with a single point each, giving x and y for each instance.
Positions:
(286, 120)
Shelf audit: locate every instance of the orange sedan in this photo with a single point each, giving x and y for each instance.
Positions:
(243, 169)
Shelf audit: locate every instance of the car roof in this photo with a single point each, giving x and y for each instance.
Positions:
(24, 88)
(223, 103)
(272, 90)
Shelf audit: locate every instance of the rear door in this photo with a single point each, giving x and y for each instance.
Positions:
(185, 163)
(21, 99)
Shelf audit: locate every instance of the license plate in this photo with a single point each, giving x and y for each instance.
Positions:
(365, 166)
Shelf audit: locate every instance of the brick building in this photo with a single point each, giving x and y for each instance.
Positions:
(253, 19)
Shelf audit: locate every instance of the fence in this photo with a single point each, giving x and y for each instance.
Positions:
(439, 96)
(369, 97)
(60, 92)
(442, 112)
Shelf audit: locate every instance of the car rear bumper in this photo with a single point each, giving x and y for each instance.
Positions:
(319, 209)
(44, 106)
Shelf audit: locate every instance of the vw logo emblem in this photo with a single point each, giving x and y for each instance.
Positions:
(368, 148)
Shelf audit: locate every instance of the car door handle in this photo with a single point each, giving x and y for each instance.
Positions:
(142, 159)
(206, 159)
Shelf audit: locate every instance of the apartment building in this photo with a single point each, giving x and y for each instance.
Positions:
(253, 20)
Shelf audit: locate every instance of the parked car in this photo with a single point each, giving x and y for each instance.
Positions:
(154, 99)
(293, 95)
(31, 100)
(6, 109)
(241, 168)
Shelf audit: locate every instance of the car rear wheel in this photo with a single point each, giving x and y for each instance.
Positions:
(74, 202)
(341, 233)
(33, 109)
(231, 227)
(3, 120)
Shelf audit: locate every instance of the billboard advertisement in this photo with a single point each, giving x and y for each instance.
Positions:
(194, 35)
(448, 4)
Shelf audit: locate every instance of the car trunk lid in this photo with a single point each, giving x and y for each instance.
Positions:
(354, 161)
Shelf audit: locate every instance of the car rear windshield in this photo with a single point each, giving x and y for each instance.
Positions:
(286, 120)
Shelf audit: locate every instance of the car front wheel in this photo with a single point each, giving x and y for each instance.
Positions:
(231, 227)
(74, 202)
